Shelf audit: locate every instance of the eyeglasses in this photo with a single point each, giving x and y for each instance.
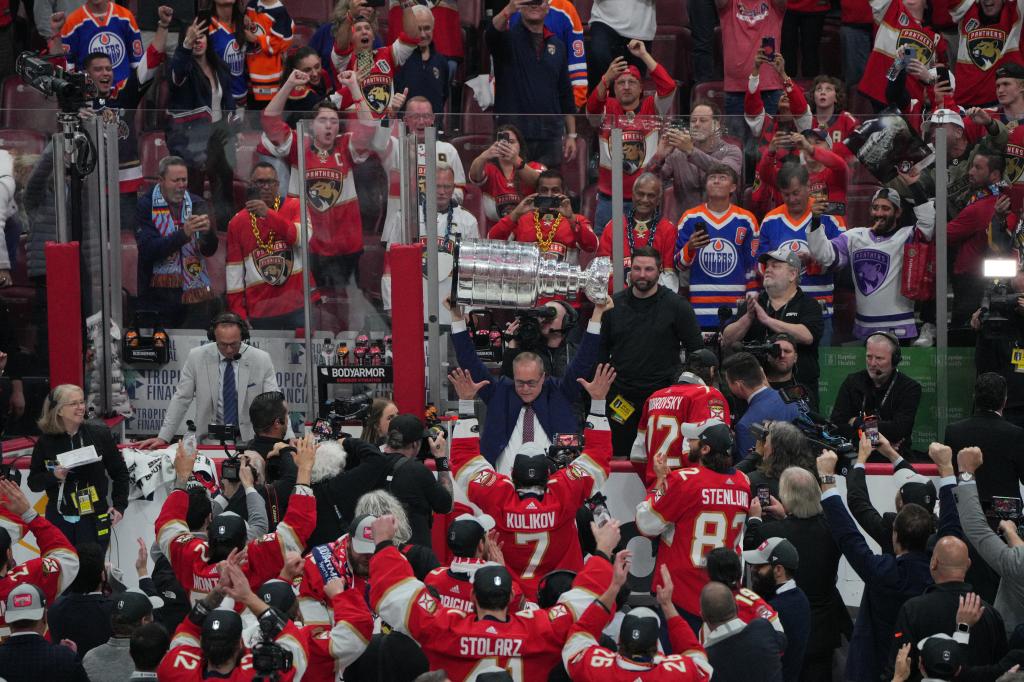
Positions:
(532, 383)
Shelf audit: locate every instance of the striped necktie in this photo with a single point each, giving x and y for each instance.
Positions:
(230, 395)
(528, 414)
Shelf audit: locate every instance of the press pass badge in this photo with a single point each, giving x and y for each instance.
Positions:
(84, 502)
(1017, 359)
(621, 409)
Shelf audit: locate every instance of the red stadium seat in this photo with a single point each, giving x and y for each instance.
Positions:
(22, 141)
(129, 264)
(470, 147)
(152, 148)
(304, 30)
(25, 107)
(470, 13)
(671, 13)
(318, 11)
(713, 91)
(475, 121)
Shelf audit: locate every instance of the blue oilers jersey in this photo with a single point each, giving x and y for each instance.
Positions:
(224, 43)
(116, 35)
(780, 229)
(723, 271)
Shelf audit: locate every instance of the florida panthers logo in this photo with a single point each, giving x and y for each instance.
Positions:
(985, 47)
(919, 41)
(323, 188)
(377, 92)
(276, 265)
(1014, 163)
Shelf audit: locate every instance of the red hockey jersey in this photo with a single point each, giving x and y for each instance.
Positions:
(749, 605)
(662, 236)
(984, 48)
(453, 585)
(538, 534)
(189, 555)
(336, 648)
(185, 661)
(52, 571)
(326, 560)
(639, 131)
(586, 661)
(664, 413)
(699, 511)
(897, 30)
(502, 193)
(264, 277)
(376, 70)
(335, 224)
(558, 237)
(528, 644)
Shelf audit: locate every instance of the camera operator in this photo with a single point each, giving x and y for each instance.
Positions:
(782, 307)
(746, 380)
(1000, 323)
(880, 394)
(780, 365)
(238, 495)
(220, 652)
(547, 336)
(411, 482)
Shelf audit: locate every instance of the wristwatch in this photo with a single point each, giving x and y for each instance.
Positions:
(965, 477)
(827, 479)
(963, 627)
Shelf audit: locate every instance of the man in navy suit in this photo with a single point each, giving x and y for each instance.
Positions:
(747, 381)
(26, 656)
(524, 413)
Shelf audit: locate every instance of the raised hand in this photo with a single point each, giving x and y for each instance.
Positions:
(462, 381)
(184, 462)
(12, 498)
(607, 536)
(971, 609)
(164, 15)
(142, 559)
(604, 377)
(384, 529)
(969, 460)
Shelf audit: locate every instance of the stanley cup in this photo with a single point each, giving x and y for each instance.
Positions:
(499, 274)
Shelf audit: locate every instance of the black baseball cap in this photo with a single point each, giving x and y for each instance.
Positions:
(702, 357)
(530, 470)
(942, 656)
(223, 625)
(278, 594)
(227, 528)
(640, 629)
(409, 427)
(916, 489)
(131, 607)
(466, 532)
(1010, 70)
(492, 580)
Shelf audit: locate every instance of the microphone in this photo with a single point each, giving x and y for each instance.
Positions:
(238, 356)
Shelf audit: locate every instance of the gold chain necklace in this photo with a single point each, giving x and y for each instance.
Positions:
(545, 241)
(269, 243)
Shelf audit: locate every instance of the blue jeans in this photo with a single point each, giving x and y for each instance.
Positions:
(734, 121)
(603, 213)
(856, 42)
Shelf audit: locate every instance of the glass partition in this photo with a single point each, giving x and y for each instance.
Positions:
(359, 189)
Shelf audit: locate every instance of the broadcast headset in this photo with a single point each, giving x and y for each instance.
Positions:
(897, 352)
(228, 318)
(572, 315)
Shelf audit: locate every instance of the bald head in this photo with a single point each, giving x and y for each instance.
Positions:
(950, 560)
(717, 604)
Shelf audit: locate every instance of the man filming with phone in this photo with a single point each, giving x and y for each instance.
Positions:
(264, 264)
(546, 219)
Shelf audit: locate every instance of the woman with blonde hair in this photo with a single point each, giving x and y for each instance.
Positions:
(77, 496)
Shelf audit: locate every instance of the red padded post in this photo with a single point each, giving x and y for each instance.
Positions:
(64, 313)
(404, 263)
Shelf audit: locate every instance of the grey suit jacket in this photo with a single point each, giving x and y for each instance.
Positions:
(1008, 562)
(200, 382)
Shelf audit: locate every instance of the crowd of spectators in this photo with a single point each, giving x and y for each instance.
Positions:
(759, 226)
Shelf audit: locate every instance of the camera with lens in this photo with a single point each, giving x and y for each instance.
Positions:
(820, 433)
(998, 306)
(546, 203)
(270, 659)
(564, 448)
(354, 408)
(529, 335)
(231, 467)
(759, 430)
(223, 432)
(71, 88)
(763, 351)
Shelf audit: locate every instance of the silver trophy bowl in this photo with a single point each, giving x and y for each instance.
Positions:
(499, 274)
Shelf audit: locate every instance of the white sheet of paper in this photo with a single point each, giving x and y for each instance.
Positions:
(79, 457)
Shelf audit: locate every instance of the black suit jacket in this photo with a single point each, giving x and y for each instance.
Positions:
(30, 658)
(1000, 441)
